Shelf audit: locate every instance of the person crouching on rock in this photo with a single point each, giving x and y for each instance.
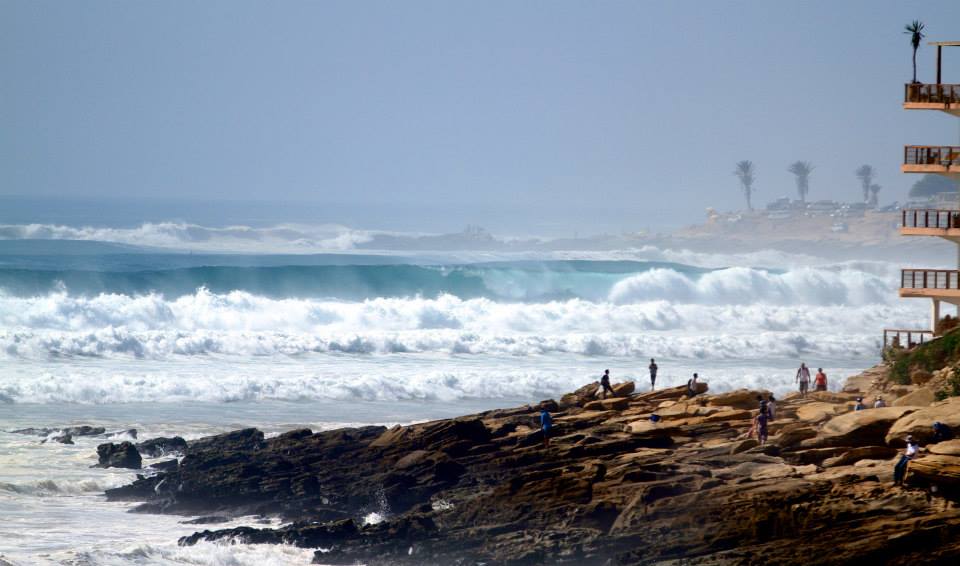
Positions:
(692, 386)
(546, 422)
(605, 384)
(859, 406)
(879, 403)
(900, 470)
(941, 432)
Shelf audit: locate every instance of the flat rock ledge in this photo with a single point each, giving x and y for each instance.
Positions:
(612, 488)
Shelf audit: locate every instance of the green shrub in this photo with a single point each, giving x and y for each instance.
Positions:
(931, 356)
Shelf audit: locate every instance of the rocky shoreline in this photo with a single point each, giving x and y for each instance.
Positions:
(612, 488)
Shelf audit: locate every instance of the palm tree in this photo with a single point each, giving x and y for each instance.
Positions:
(744, 172)
(802, 170)
(866, 174)
(915, 29)
(874, 199)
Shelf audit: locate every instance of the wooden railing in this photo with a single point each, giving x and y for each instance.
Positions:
(930, 218)
(945, 155)
(930, 279)
(900, 338)
(936, 93)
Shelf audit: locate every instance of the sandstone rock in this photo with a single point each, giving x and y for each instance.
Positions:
(123, 455)
(946, 448)
(739, 399)
(935, 468)
(920, 376)
(862, 453)
(858, 428)
(919, 398)
(743, 445)
(819, 411)
(611, 404)
(581, 396)
(919, 423)
(624, 389)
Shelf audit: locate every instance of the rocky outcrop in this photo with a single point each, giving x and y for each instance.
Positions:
(123, 455)
(162, 446)
(614, 487)
(919, 423)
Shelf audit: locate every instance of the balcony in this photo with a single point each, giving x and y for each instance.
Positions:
(930, 222)
(942, 97)
(941, 284)
(901, 338)
(939, 159)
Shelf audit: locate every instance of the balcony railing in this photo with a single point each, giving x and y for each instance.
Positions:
(933, 93)
(930, 218)
(945, 155)
(948, 279)
(899, 338)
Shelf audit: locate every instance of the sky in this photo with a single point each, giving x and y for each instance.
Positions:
(525, 117)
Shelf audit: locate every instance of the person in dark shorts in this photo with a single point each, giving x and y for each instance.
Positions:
(605, 385)
(546, 423)
(653, 374)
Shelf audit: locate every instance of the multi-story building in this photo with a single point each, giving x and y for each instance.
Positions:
(938, 285)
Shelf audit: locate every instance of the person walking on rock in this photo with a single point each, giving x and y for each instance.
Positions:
(546, 422)
(605, 384)
(820, 383)
(653, 374)
(900, 470)
(803, 378)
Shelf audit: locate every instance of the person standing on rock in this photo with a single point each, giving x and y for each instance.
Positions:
(692, 386)
(760, 424)
(772, 407)
(605, 384)
(546, 422)
(900, 470)
(803, 378)
(859, 406)
(653, 374)
(820, 383)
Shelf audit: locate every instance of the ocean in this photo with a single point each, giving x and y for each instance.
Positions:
(178, 329)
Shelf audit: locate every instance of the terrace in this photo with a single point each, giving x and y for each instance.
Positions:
(935, 96)
(939, 284)
(942, 160)
(931, 222)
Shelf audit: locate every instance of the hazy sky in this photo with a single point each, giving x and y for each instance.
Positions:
(635, 110)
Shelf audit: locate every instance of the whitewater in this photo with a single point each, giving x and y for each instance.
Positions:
(192, 344)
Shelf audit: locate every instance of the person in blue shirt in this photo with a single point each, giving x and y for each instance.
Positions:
(546, 421)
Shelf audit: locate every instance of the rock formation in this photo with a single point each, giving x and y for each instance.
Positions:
(612, 488)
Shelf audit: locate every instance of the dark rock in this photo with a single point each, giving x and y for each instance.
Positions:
(208, 520)
(132, 433)
(123, 455)
(165, 466)
(162, 446)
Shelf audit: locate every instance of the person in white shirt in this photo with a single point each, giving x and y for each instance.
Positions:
(900, 470)
(879, 403)
(803, 378)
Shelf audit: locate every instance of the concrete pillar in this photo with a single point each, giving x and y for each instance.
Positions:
(935, 315)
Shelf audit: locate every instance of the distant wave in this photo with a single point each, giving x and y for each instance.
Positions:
(619, 282)
(292, 238)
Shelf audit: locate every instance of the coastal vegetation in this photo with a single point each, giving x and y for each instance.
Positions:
(915, 30)
(866, 174)
(745, 172)
(907, 364)
(801, 170)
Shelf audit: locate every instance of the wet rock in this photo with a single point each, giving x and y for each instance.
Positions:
(162, 446)
(123, 455)
(132, 433)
